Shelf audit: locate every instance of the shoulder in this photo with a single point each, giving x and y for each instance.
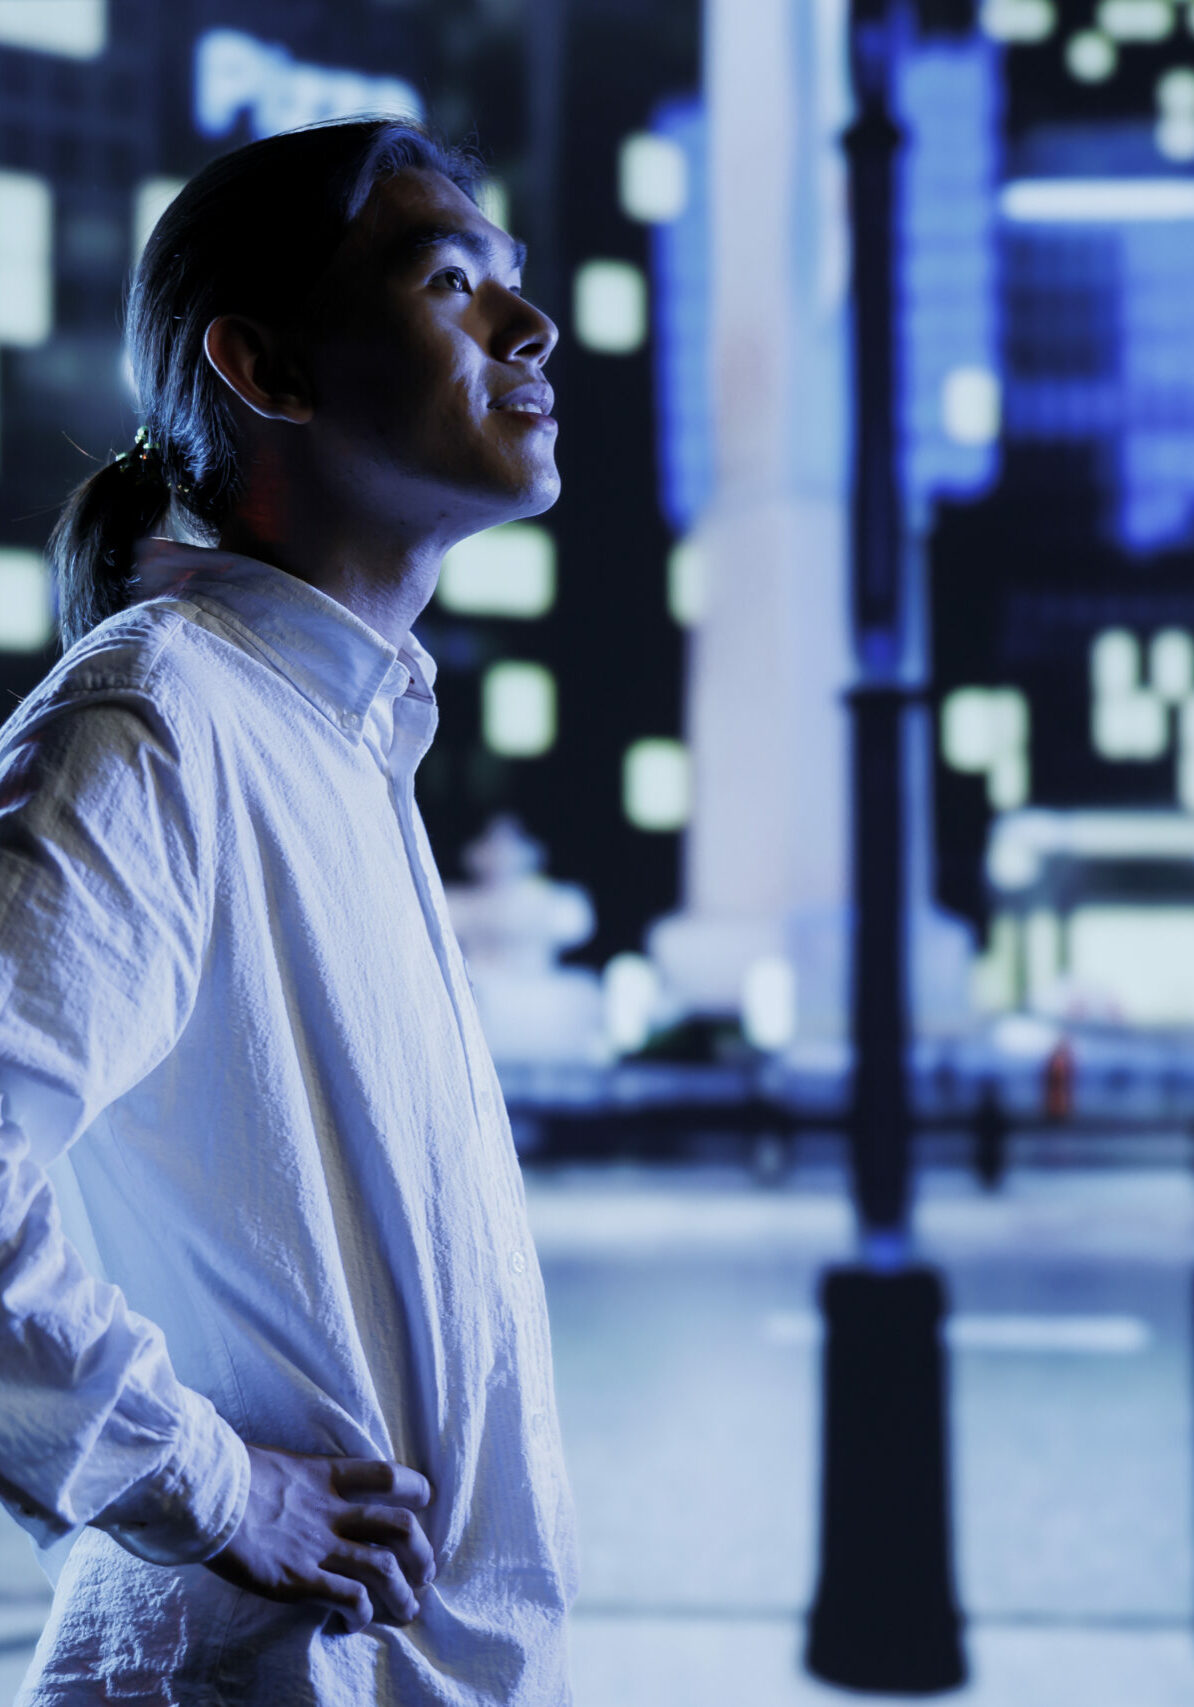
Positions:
(137, 665)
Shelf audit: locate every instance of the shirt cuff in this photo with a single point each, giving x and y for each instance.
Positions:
(197, 1498)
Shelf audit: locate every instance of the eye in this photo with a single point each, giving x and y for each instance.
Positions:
(455, 277)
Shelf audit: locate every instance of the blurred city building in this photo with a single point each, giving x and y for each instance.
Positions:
(638, 793)
(649, 677)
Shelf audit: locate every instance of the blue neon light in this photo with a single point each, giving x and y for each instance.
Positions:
(680, 297)
(1105, 348)
(237, 75)
(1156, 460)
(947, 95)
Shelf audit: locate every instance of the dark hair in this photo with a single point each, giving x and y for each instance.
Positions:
(255, 233)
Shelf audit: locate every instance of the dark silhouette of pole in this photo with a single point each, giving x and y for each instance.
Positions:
(880, 1109)
(884, 1618)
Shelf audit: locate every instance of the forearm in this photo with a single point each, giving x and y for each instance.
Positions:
(94, 1425)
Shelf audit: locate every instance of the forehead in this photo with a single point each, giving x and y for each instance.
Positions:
(416, 201)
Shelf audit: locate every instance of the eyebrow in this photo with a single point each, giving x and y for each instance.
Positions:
(414, 241)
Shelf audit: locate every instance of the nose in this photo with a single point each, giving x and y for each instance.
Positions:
(527, 332)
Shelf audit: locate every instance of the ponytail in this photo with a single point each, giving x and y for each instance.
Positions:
(91, 547)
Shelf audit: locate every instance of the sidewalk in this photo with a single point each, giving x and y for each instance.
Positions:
(687, 1343)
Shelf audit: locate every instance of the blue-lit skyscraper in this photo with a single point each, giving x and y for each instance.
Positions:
(949, 100)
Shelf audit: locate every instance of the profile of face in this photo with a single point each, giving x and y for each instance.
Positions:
(428, 388)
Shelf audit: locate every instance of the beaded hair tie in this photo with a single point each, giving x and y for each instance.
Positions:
(137, 460)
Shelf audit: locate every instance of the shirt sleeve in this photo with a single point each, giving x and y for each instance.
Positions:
(104, 910)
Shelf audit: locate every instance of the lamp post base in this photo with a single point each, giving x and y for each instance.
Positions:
(884, 1619)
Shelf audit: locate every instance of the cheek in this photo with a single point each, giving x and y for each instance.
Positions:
(411, 394)
(423, 386)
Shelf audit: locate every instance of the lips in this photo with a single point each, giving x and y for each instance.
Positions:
(534, 399)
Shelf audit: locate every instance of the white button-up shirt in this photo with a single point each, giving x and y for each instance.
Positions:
(236, 1032)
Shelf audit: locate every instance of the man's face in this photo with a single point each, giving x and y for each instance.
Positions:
(430, 392)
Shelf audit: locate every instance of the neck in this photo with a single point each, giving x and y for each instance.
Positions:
(383, 572)
(387, 590)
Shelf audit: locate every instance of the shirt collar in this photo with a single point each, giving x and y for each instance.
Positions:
(330, 655)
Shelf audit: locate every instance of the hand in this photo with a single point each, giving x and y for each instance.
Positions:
(332, 1532)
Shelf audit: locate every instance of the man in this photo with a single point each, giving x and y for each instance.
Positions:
(302, 1433)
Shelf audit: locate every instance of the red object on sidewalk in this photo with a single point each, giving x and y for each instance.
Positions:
(1059, 1082)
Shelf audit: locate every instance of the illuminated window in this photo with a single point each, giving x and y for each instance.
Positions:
(1171, 665)
(506, 571)
(77, 29)
(657, 784)
(966, 739)
(769, 1003)
(1135, 20)
(1008, 780)
(1175, 90)
(1175, 103)
(1141, 959)
(984, 731)
(1018, 20)
(150, 201)
(970, 405)
(1174, 136)
(26, 284)
(687, 590)
(518, 710)
(630, 991)
(494, 201)
(1114, 663)
(1130, 721)
(1090, 57)
(979, 723)
(1092, 201)
(652, 178)
(26, 602)
(1176, 123)
(609, 307)
(1130, 726)
(236, 74)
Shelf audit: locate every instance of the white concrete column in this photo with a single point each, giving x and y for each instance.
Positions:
(766, 855)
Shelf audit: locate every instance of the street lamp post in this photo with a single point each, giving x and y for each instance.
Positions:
(879, 1128)
(884, 1618)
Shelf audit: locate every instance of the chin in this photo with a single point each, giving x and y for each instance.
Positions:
(544, 497)
(503, 497)
(534, 498)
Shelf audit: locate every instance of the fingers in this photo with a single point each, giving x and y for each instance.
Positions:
(348, 1542)
(345, 1596)
(355, 1476)
(378, 1571)
(399, 1531)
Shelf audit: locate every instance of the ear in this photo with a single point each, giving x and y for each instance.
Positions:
(248, 358)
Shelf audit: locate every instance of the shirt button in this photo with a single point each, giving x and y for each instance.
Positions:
(518, 1262)
(538, 1421)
